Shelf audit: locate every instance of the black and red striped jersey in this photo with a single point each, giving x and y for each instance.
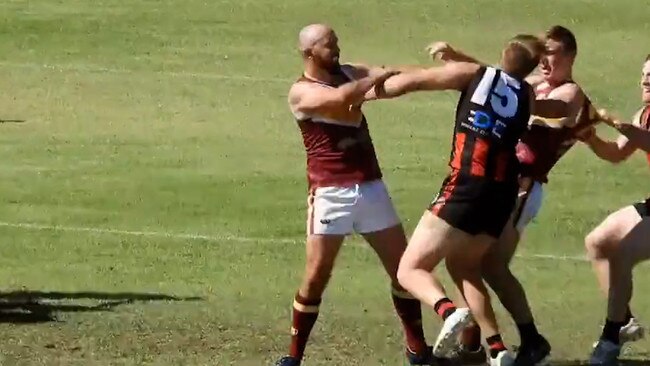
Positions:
(491, 116)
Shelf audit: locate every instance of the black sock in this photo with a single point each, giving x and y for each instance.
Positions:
(628, 315)
(528, 333)
(611, 331)
(496, 345)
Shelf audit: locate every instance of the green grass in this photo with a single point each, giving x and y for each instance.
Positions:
(170, 117)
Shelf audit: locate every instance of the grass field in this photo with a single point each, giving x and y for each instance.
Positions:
(153, 193)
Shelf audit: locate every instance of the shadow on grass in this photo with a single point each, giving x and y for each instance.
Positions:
(27, 307)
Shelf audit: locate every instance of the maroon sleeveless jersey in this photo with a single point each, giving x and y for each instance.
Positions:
(541, 147)
(338, 154)
(642, 119)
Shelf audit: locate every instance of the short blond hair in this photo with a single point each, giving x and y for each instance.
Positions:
(522, 54)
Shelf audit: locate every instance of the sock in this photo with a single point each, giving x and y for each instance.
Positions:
(444, 307)
(611, 331)
(471, 338)
(628, 315)
(496, 345)
(410, 313)
(528, 333)
(305, 313)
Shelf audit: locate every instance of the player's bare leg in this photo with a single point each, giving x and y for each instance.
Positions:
(321, 253)
(534, 348)
(614, 247)
(464, 264)
(429, 244)
(389, 244)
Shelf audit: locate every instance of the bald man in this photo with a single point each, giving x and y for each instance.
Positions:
(346, 191)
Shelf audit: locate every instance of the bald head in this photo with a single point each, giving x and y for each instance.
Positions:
(312, 34)
(319, 46)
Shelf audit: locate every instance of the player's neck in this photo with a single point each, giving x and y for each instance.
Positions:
(560, 80)
(316, 73)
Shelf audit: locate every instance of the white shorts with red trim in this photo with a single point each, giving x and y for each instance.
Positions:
(528, 206)
(362, 208)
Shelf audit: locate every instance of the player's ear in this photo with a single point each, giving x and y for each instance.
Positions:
(307, 53)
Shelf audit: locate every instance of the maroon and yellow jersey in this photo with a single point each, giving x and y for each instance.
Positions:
(541, 147)
(339, 153)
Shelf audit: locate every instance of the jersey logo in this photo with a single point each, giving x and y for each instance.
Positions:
(503, 99)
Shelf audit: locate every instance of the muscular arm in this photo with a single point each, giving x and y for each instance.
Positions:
(612, 151)
(361, 70)
(311, 98)
(638, 137)
(561, 107)
(451, 76)
(446, 53)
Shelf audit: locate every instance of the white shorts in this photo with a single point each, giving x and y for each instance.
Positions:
(528, 205)
(362, 208)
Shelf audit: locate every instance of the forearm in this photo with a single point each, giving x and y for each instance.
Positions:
(355, 92)
(606, 150)
(394, 87)
(460, 56)
(639, 138)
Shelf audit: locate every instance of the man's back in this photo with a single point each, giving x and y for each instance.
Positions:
(491, 115)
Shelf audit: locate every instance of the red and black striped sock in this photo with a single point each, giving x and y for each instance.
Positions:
(409, 311)
(495, 345)
(444, 307)
(305, 313)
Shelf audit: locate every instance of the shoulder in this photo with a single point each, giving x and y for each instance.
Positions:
(535, 80)
(301, 89)
(569, 92)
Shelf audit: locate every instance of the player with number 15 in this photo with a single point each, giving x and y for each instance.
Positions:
(479, 193)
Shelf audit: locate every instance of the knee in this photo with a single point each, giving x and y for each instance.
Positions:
(402, 276)
(597, 244)
(404, 272)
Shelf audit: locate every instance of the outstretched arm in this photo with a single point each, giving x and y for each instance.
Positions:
(637, 136)
(444, 52)
(451, 76)
(359, 71)
(612, 151)
(309, 98)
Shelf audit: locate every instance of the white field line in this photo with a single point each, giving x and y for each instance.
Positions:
(212, 238)
(107, 70)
